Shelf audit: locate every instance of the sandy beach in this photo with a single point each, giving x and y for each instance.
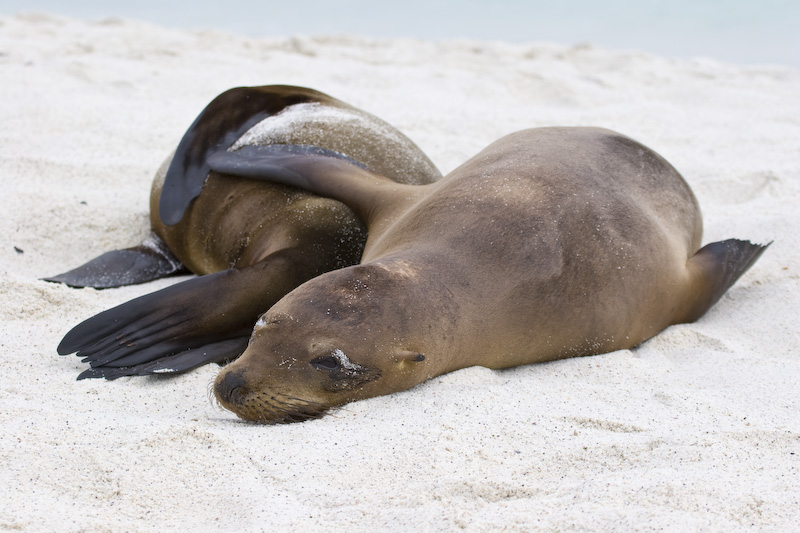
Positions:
(697, 429)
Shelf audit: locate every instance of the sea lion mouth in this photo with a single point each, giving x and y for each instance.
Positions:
(277, 408)
(266, 407)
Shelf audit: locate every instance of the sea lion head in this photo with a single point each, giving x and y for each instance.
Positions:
(337, 338)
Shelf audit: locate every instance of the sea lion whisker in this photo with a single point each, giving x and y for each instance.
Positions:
(304, 401)
(263, 412)
(290, 412)
(315, 407)
(333, 412)
(212, 397)
(296, 411)
(272, 414)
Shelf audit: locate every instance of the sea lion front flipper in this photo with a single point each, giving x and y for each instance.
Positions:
(316, 170)
(213, 313)
(149, 261)
(217, 352)
(216, 129)
(715, 268)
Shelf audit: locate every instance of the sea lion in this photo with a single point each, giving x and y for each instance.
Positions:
(550, 243)
(251, 241)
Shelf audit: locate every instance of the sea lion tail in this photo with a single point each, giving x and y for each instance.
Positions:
(715, 268)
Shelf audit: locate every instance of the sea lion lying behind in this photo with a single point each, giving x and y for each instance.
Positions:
(550, 243)
(255, 240)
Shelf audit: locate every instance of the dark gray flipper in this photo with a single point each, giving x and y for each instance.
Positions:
(718, 265)
(216, 129)
(201, 320)
(315, 170)
(273, 160)
(149, 261)
(221, 352)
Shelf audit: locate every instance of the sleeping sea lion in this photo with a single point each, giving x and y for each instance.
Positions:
(550, 243)
(250, 241)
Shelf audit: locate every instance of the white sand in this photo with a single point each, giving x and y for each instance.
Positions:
(698, 429)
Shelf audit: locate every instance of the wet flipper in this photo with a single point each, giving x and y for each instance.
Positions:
(216, 129)
(274, 162)
(213, 313)
(149, 261)
(715, 268)
(315, 170)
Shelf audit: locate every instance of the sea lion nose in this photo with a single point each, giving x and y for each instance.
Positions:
(228, 387)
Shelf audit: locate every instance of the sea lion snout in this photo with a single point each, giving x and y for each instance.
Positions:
(228, 386)
(272, 402)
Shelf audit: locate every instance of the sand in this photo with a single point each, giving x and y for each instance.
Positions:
(697, 429)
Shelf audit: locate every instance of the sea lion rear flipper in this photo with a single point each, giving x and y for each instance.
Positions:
(216, 129)
(149, 261)
(715, 268)
(172, 327)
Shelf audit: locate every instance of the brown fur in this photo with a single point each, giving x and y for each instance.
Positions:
(550, 243)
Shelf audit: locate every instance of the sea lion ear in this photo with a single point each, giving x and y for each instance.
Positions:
(408, 356)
